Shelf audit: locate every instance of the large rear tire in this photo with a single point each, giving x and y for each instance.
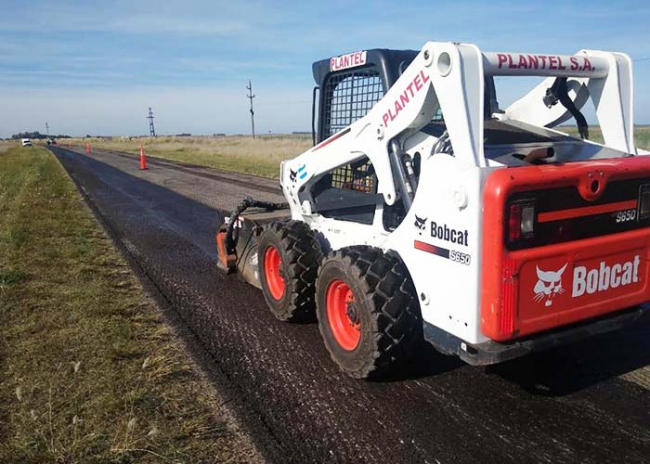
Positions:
(288, 260)
(367, 311)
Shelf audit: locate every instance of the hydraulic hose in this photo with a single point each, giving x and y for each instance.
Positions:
(231, 239)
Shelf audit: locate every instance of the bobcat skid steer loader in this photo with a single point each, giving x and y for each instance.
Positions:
(425, 210)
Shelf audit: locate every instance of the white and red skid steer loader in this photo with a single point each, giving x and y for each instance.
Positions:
(425, 210)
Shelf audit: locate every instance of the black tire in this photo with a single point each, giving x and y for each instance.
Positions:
(300, 256)
(385, 307)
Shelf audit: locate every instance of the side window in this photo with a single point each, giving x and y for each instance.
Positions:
(358, 176)
(348, 97)
(348, 193)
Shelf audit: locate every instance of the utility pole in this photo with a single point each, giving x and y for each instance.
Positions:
(250, 96)
(152, 131)
(47, 129)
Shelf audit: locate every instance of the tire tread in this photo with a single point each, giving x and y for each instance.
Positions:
(396, 311)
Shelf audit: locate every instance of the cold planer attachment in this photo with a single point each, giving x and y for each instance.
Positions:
(237, 237)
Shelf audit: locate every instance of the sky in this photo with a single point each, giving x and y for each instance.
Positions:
(94, 67)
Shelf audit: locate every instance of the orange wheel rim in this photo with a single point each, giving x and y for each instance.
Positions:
(273, 272)
(342, 315)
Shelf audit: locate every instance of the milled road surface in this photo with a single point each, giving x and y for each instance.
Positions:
(588, 402)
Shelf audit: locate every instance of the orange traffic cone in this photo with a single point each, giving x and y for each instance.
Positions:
(143, 159)
(69, 144)
(88, 148)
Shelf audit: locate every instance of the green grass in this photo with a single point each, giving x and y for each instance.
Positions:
(89, 373)
(641, 135)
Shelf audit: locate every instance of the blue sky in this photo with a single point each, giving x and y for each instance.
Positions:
(94, 67)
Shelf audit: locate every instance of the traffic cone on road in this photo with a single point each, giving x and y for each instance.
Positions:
(69, 144)
(143, 159)
(88, 148)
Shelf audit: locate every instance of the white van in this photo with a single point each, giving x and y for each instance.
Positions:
(27, 142)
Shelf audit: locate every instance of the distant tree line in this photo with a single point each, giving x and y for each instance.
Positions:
(37, 135)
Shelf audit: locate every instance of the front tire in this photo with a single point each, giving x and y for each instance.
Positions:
(288, 260)
(367, 311)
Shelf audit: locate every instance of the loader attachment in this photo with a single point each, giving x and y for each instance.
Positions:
(237, 237)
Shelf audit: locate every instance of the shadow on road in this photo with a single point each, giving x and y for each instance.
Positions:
(557, 372)
(571, 368)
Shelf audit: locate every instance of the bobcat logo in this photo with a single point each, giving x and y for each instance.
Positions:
(420, 223)
(292, 175)
(549, 285)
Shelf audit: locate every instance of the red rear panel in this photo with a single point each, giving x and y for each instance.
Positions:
(588, 254)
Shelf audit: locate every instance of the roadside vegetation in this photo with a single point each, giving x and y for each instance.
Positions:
(7, 144)
(641, 134)
(89, 372)
(260, 156)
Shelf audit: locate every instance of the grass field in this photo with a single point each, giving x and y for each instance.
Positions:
(260, 156)
(89, 373)
(641, 134)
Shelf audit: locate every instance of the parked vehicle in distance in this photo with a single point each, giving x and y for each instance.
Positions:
(26, 142)
(51, 141)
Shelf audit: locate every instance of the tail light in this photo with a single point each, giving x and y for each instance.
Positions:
(521, 221)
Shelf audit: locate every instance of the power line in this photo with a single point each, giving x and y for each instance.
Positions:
(250, 96)
(152, 131)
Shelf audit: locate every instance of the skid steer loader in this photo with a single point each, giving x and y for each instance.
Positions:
(426, 210)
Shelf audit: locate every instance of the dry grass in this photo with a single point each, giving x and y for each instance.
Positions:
(88, 370)
(260, 156)
(641, 134)
(7, 144)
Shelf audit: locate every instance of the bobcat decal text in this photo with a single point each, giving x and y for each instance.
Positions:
(585, 279)
(452, 255)
(604, 277)
(449, 234)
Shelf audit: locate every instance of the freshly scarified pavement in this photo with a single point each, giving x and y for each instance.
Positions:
(588, 402)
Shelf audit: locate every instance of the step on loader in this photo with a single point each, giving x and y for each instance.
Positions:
(425, 210)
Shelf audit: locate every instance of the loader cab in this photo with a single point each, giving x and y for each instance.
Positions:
(348, 86)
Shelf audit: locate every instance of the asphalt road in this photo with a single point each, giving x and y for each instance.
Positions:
(588, 402)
